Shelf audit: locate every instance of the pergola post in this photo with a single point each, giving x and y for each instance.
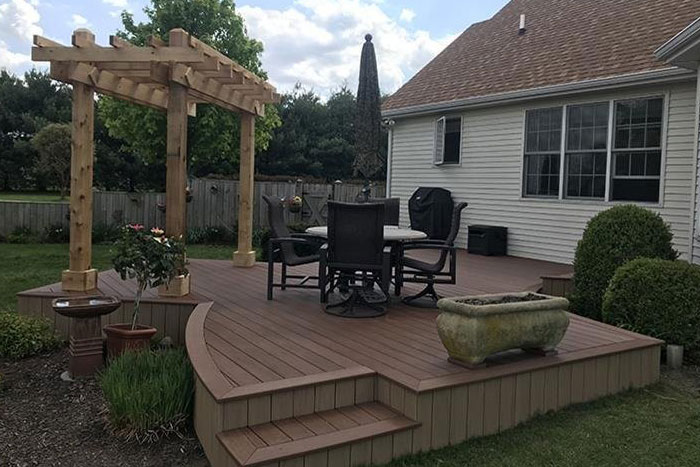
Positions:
(245, 255)
(176, 165)
(80, 276)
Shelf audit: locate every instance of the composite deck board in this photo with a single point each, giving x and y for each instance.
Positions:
(302, 436)
(254, 341)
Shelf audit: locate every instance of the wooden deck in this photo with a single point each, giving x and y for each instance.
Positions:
(276, 379)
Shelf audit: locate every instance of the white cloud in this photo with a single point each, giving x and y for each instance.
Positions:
(78, 21)
(19, 19)
(318, 43)
(117, 3)
(10, 60)
(407, 15)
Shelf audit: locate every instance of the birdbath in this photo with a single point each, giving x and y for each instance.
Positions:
(85, 331)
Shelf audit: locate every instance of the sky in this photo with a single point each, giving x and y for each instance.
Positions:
(313, 42)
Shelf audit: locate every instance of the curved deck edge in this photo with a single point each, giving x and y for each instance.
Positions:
(202, 363)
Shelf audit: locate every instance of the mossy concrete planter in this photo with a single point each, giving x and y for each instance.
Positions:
(472, 332)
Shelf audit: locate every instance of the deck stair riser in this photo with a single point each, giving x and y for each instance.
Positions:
(294, 439)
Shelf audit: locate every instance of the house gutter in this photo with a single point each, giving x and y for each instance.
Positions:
(683, 49)
(667, 75)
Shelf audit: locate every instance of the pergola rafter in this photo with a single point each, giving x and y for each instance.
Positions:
(172, 77)
(143, 74)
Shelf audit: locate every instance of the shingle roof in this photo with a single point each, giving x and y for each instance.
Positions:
(566, 41)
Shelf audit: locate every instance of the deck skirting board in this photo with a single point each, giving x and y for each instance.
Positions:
(170, 319)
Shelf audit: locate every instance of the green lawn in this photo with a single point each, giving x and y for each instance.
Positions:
(34, 265)
(43, 196)
(656, 426)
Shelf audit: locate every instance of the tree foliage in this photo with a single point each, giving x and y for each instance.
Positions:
(27, 105)
(53, 143)
(316, 138)
(213, 136)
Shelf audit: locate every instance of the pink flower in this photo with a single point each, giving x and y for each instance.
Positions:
(157, 231)
(136, 227)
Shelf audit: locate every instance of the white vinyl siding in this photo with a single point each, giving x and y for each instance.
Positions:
(490, 179)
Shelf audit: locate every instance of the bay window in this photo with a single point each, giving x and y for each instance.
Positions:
(542, 149)
(637, 150)
(622, 151)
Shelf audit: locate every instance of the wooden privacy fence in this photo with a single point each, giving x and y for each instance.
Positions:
(213, 204)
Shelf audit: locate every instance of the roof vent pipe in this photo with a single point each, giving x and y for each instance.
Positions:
(521, 29)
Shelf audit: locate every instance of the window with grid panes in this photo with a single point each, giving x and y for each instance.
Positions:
(586, 150)
(542, 152)
(637, 150)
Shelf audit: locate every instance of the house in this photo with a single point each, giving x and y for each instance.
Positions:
(552, 111)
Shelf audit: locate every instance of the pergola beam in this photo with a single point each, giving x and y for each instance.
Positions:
(111, 54)
(109, 83)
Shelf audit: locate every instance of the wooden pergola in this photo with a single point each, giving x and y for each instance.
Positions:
(173, 77)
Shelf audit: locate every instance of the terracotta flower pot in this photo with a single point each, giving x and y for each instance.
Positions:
(121, 337)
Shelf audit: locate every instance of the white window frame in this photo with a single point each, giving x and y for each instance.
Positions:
(608, 182)
(439, 141)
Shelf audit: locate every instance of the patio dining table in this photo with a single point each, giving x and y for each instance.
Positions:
(393, 235)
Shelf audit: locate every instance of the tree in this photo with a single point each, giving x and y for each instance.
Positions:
(53, 143)
(315, 139)
(27, 105)
(213, 136)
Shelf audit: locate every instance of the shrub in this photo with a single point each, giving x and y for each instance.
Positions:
(211, 235)
(149, 394)
(56, 233)
(105, 233)
(611, 239)
(24, 336)
(657, 297)
(22, 235)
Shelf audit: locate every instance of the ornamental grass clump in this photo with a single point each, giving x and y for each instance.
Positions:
(149, 394)
(150, 257)
(659, 298)
(611, 239)
(23, 336)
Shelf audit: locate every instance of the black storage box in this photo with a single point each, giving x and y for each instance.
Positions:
(488, 240)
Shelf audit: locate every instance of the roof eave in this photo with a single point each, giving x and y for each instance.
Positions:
(683, 49)
(665, 75)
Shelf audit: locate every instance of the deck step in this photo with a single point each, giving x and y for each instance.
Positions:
(299, 436)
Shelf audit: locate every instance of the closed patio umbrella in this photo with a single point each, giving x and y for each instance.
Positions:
(368, 118)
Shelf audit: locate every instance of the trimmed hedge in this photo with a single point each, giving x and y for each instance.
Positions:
(659, 298)
(611, 239)
(24, 336)
(149, 394)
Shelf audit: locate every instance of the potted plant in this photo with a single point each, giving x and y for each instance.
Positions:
(153, 259)
(295, 204)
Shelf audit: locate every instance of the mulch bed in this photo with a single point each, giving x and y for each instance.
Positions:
(47, 421)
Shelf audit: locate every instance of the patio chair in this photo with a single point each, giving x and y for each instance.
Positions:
(281, 248)
(355, 259)
(392, 208)
(430, 273)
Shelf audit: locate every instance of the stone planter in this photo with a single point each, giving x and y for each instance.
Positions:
(474, 327)
(178, 287)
